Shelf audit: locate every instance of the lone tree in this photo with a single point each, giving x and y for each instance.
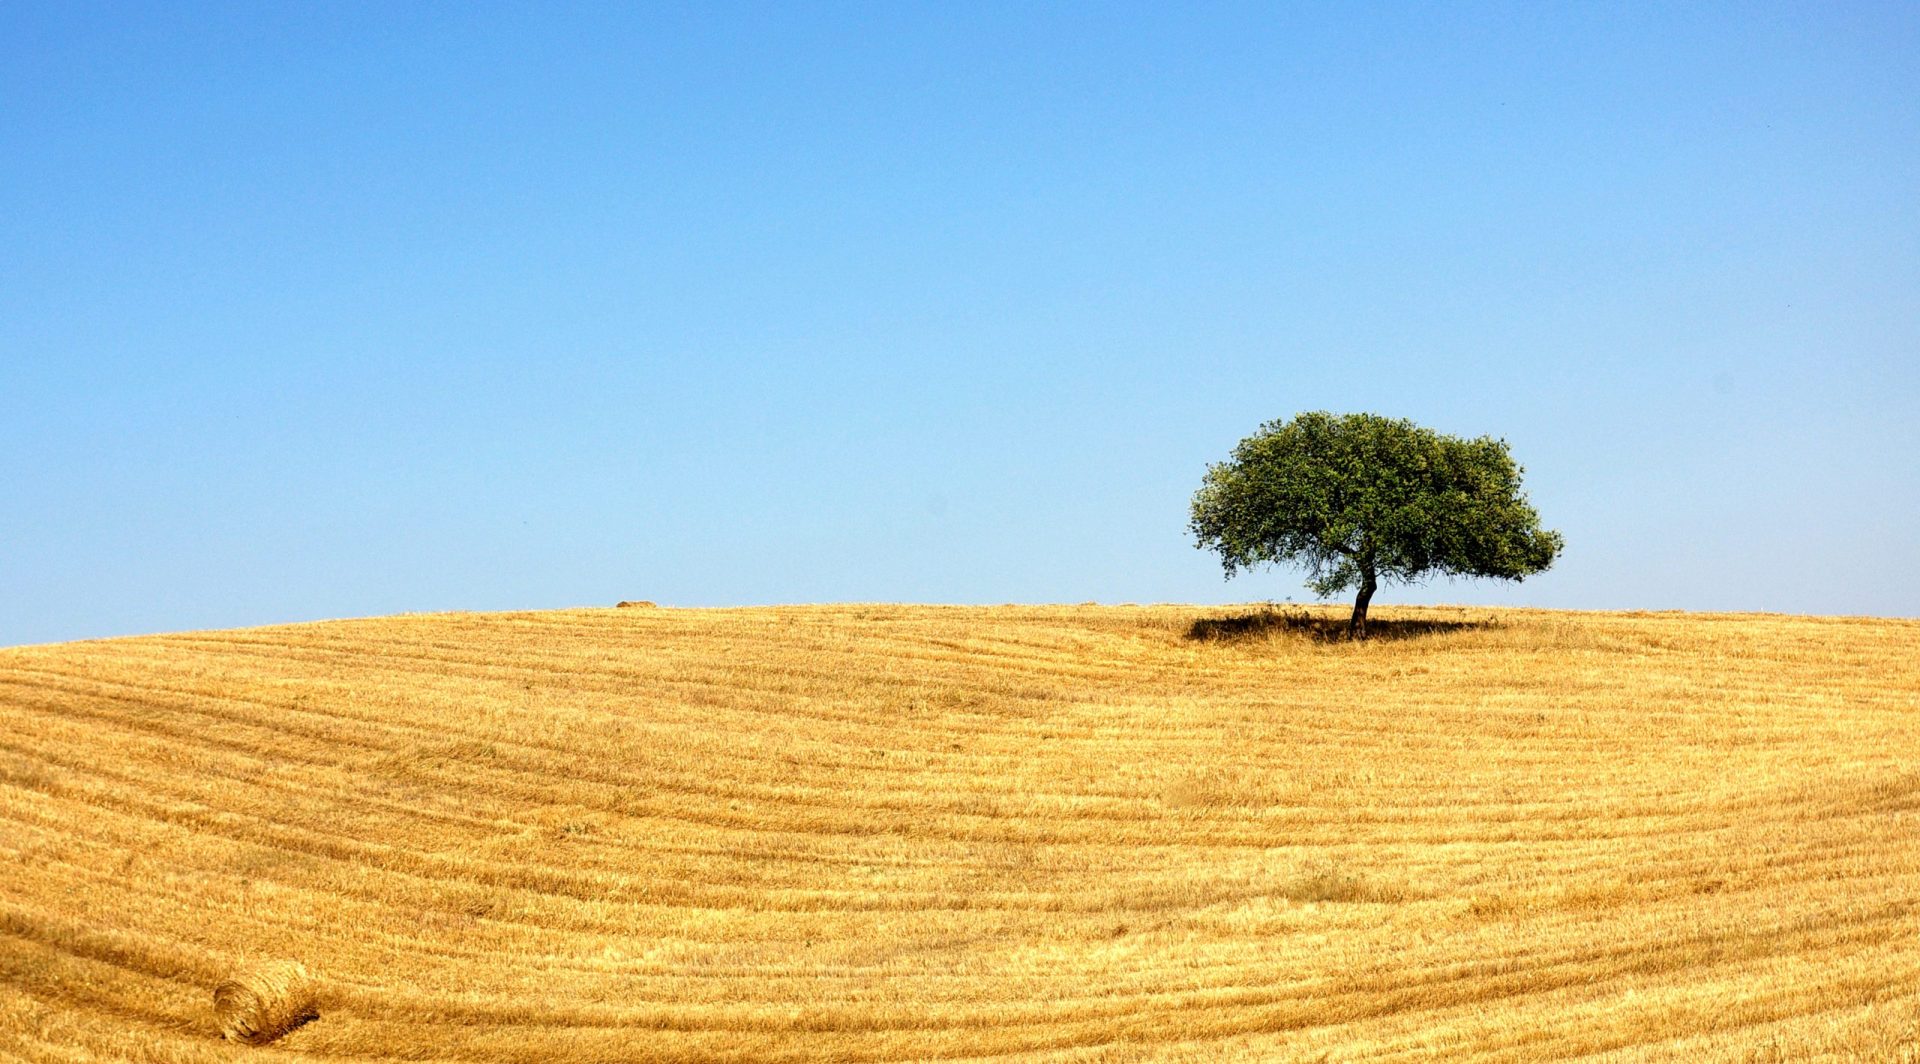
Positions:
(1359, 498)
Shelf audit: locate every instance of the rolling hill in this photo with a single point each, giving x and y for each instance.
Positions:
(880, 833)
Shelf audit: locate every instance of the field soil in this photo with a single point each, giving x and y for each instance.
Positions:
(909, 833)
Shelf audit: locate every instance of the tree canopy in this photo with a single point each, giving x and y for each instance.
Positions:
(1358, 499)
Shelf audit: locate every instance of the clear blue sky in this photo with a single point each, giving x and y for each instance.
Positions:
(314, 310)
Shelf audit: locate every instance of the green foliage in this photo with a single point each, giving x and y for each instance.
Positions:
(1358, 498)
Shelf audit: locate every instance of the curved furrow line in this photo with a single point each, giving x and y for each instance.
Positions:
(242, 827)
(774, 797)
(1071, 805)
(1029, 1028)
(992, 667)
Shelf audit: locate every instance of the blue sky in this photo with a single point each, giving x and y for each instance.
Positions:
(315, 310)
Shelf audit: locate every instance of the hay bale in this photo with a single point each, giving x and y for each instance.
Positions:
(264, 1002)
(641, 604)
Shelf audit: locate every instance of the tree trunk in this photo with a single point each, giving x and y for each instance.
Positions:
(1357, 625)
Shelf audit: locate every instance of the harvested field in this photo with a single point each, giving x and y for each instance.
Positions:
(892, 833)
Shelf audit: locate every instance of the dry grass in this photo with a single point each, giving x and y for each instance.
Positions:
(264, 1002)
(915, 833)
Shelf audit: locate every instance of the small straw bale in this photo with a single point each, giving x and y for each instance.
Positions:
(263, 1002)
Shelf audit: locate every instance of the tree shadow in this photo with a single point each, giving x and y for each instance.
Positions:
(1264, 624)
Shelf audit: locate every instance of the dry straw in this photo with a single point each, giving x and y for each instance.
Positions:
(264, 1002)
